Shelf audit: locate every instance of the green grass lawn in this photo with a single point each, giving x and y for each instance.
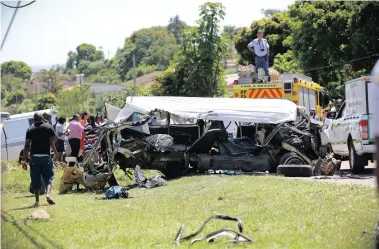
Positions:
(276, 212)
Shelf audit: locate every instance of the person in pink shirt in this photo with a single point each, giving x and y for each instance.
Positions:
(75, 135)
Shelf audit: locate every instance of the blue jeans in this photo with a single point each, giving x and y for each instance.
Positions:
(41, 166)
(263, 63)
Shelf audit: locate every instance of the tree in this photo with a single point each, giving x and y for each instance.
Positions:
(83, 66)
(18, 69)
(94, 67)
(70, 102)
(71, 60)
(196, 69)
(175, 27)
(47, 101)
(105, 76)
(152, 46)
(10, 83)
(54, 78)
(285, 63)
(321, 37)
(270, 12)
(229, 31)
(85, 52)
(15, 97)
(364, 23)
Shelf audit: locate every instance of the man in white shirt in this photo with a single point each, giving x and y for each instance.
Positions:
(260, 48)
(60, 132)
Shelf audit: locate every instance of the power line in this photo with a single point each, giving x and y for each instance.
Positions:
(10, 25)
(17, 7)
(340, 64)
(129, 63)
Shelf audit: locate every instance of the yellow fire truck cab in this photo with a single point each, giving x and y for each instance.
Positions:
(296, 87)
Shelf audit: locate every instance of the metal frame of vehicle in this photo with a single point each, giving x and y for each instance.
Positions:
(289, 132)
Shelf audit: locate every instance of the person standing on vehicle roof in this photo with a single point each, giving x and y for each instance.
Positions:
(261, 50)
(40, 137)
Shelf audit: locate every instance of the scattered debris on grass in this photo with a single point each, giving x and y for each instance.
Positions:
(142, 182)
(237, 237)
(60, 165)
(348, 176)
(40, 214)
(116, 192)
(237, 172)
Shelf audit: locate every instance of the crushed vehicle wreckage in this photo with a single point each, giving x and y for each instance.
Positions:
(178, 135)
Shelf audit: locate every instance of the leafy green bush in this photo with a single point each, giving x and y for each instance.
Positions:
(47, 101)
(140, 71)
(105, 75)
(15, 97)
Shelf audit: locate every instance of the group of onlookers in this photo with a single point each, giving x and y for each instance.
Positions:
(80, 135)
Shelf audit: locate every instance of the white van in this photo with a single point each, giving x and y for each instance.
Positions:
(13, 130)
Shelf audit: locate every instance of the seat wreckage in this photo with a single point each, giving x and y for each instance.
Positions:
(180, 135)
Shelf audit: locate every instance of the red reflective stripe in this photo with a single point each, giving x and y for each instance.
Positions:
(257, 94)
(251, 93)
(274, 95)
(265, 95)
(279, 92)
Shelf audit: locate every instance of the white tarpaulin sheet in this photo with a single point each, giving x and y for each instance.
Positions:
(112, 111)
(226, 109)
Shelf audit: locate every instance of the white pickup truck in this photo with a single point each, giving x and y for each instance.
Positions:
(350, 133)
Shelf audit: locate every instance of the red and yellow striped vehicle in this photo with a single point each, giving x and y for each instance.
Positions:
(296, 87)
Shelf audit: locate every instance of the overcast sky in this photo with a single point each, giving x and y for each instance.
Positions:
(44, 32)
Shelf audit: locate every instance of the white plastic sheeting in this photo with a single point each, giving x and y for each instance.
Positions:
(225, 109)
(112, 111)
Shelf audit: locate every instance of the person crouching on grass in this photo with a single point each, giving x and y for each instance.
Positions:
(40, 137)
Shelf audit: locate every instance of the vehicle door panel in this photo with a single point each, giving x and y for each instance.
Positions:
(335, 132)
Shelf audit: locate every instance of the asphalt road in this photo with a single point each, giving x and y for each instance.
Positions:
(367, 178)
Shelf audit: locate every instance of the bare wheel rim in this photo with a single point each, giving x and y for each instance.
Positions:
(294, 160)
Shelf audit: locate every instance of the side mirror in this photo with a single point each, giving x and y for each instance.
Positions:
(331, 115)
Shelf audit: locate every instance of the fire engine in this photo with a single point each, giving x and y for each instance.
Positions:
(298, 88)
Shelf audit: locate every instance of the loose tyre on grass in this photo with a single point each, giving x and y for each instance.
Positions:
(295, 170)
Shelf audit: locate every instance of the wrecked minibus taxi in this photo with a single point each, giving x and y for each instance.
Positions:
(178, 135)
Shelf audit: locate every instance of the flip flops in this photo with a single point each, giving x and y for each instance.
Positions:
(50, 201)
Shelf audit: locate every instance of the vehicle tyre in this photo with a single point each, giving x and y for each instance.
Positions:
(357, 163)
(291, 158)
(295, 170)
(173, 170)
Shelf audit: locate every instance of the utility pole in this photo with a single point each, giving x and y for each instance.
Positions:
(81, 94)
(134, 74)
(80, 76)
